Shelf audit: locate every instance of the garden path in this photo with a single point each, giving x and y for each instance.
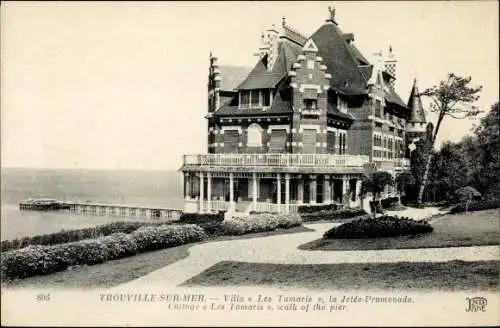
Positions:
(282, 249)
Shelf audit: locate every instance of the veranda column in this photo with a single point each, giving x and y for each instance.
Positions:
(209, 192)
(187, 185)
(254, 191)
(358, 191)
(231, 189)
(312, 189)
(278, 191)
(300, 190)
(327, 198)
(287, 193)
(202, 186)
(345, 186)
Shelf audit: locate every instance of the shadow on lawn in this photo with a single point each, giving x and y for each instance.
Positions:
(445, 276)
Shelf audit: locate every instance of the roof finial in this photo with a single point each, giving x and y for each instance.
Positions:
(390, 50)
(332, 13)
(283, 21)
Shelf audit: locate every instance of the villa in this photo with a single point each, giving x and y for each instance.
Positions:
(301, 127)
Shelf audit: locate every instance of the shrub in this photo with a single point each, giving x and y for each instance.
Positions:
(384, 226)
(40, 260)
(389, 201)
(259, 223)
(476, 206)
(66, 236)
(340, 214)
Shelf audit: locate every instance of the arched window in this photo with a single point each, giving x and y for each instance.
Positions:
(254, 135)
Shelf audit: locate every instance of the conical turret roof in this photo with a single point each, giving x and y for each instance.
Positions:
(417, 114)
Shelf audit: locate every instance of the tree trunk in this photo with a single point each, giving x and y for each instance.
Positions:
(424, 178)
(374, 207)
(429, 156)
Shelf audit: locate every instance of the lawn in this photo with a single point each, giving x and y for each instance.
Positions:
(116, 272)
(451, 230)
(444, 276)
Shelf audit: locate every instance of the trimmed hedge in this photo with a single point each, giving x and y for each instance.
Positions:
(196, 218)
(384, 226)
(66, 236)
(41, 260)
(476, 206)
(340, 214)
(209, 222)
(259, 223)
(316, 208)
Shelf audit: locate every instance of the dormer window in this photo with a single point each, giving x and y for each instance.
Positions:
(255, 98)
(342, 105)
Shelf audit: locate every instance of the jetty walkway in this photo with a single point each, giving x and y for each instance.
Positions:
(79, 207)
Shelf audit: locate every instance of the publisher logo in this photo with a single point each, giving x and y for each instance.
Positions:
(475, 304)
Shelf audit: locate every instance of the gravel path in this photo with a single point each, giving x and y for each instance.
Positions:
(282, 249)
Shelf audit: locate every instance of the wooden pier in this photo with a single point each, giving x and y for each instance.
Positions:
(100, 209)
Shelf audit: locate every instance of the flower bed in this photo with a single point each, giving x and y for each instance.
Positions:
(340, 214)
(259, 223)
(41, 260)
(66, 236)
(476, 206)
(384, 226)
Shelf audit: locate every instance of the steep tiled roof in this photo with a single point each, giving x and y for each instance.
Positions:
(231, 76)
(339, 60)
(260, 77)
(359, 56)
(417, 113)
(366, 70)
(393, 97)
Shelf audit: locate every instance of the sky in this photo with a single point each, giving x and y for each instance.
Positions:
(122, 85)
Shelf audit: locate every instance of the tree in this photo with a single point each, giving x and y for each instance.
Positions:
(375, 184)
(448, 173)
(404, 182)
(488, 154)
(451, 98)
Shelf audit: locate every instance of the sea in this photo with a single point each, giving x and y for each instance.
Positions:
(132, 187)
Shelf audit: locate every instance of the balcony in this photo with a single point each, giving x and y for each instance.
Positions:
(310, 112)
(276, 160)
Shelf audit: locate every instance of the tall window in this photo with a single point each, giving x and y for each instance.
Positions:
(266, 98)
(330, 141)
(254, 98)
(244, 99)
(378, 108)
(310, 104)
